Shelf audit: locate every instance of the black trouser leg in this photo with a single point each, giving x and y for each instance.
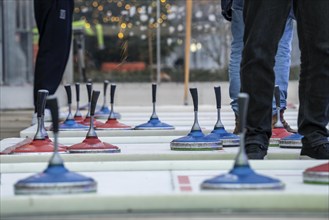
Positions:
(313, 32)
(264, 25)
(54, 22)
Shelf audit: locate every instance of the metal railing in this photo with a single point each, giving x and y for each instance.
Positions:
(16, 42)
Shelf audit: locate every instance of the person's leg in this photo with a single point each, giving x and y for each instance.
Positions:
(282, 70)
(282, 63)
(264, 26)
(313, 32)
(237, 29)
(54, 21)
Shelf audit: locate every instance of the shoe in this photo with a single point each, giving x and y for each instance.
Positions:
(318, 152)
(284, 122)
(237, 125)
(256, 151)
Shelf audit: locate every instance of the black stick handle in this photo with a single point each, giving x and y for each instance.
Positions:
(69, 93)
(194, 93)
(89, 89)
(243, 100)
(42, 94)
(277, 95)
(154, 92)
(94, 98)
(113, 86)
(53, 106)
(44, 101)
(106, 83)
(77, 91)
(218, 97)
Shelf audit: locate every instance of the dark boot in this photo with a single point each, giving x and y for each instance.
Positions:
(237, 125)
(284, 122)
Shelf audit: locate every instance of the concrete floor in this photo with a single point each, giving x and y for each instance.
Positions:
(13, 121)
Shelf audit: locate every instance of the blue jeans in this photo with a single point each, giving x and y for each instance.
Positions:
(264, 24)
(282, 59)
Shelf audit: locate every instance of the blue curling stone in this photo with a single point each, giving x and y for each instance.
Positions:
(291, 141)
(56, 179)
(229, 139)
(71, 124)
(196, 140)
(154, 124)
(242, 177)
(104, 112)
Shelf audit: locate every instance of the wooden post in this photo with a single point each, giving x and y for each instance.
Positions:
(187, 48)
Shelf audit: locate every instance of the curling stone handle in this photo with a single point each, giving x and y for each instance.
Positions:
(277, 95)
(89, 88)
(243, 100)
(69, 93)
(218, 96)
(106, 83)
(113, 86)
(53, 106)
(77, 91)
(42, 94)
(194, 93)
(154, 92)
(94, 99)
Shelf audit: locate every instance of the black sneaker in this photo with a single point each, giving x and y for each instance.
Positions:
(318, 152)
(256, 151)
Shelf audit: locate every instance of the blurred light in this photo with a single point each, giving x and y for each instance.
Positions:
(212, 17)
(95, 4)
(123, 25)
(127, 7)
(160, 20)
(143, 17)
(179, 41)
(193, 47)
(100, 8)
(198, 14)
(120, 35)
(180, 27)
(198, 46)
(119, 4)
(130, 25)
(163, 1)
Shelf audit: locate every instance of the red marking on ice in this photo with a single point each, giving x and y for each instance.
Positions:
(183, 179)
(185, 188)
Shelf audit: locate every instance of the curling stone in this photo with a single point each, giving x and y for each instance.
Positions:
(317, 175)
(196, 140)
(242, 176)
(219, 132)
(91, 144)
(154, 123)
(41, 142)
(70, 123)
(104, 112)
(112, 123)
(291, 141)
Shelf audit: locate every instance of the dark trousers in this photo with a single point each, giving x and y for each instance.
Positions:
(54, 23)
(264, 25)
